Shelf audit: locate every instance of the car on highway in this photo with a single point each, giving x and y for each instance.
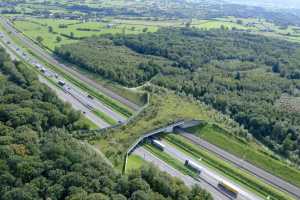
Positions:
(61, 83)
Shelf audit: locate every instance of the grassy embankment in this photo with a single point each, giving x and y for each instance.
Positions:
(135, 162)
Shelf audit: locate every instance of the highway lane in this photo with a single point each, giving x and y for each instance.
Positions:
(15, 51)
(94, 103)
(11, 54)
(212, 177)
(189, 181)
(55, 61)
(75, 104)
(258, 172)
(77, 93)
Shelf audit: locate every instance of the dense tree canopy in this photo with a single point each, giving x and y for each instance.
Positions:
(241, 74)
(39, 158)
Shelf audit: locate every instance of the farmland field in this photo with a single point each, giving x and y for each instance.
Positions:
(71, 31)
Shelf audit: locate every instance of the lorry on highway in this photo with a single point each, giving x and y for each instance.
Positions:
(158, 144)
(228, 188)
(193, 166)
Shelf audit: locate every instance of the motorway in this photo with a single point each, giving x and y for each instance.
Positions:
(71, 70)
(78, 102)
(258, 172)
(189, 181)
(75, 104)
(208, 175)
(78, 95)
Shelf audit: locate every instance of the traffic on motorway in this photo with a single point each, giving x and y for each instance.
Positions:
(51, 60)
(75, 94)
(188, 180)
(214, 181)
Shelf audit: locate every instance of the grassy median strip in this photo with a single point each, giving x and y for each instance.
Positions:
(171, 161)
(234, 173)
(105, 117)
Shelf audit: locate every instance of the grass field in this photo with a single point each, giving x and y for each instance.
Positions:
(134, 162)
(237, 175)
(247, 151)
(34, 27)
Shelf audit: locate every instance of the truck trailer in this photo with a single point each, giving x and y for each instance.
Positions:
(228, 188)
(158, 145)
(193, 166)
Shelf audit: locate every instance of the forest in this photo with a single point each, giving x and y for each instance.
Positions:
(240, 74)
(40, 158)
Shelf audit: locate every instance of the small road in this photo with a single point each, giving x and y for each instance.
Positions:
(258, 172)
(189, 181)
(71, 70)
(209, 175)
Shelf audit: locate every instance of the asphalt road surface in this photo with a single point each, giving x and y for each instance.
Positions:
(210, 176)
(11, 54)
(75, 92)
(267, 177)
(95, 103)
(75, 104)
(14, 50)
(189, 181)
(55, 61)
